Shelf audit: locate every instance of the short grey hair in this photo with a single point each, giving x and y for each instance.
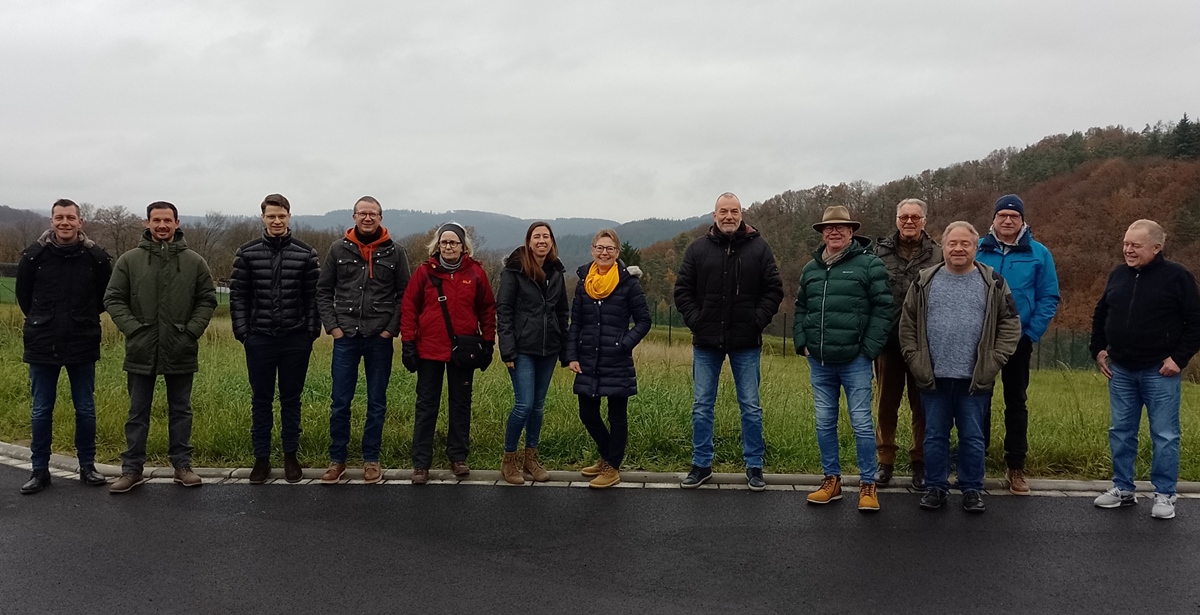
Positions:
(1157, 235)
(727, 195)
(957, 224)
(917, 202)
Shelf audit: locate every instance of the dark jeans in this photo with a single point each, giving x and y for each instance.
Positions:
(375, 353)
(610, 441)
(266, 357)
(43, 385)
(1015, 376)
(891, 374)
(951, 406)
(429, 398)
(179, 420)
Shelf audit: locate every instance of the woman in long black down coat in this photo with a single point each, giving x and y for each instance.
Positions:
(600, 350)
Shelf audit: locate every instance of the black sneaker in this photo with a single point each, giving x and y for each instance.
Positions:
(934, 498)
(973, 502)
(754, 478)
(698, 476)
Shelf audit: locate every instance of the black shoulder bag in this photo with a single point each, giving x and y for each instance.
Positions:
(466, 351)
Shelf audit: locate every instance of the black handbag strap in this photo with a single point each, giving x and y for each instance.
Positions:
(437, 283)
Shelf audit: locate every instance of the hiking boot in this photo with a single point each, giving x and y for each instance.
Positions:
(40, 479)
(1164, 506)
(593, 470)
(883, 475)
(698, 476)
(1016, 482)
(973, 502)
(261, 471)
(420, 476)
(934, 498)
(1115, 498)
(372, 473)
(333, 474)
(830, 490)
(608, 477)
(868, 498)
(90, 477)
(918, 475)
(186, 477)
(509, 470)
(459, 468)
(754, 479)
(292, 472)
(535, 469)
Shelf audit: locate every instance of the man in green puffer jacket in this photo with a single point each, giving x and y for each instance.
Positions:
(843, 315)
(161, 297)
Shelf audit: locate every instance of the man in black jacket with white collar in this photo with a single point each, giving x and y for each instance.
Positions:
(1145, 329)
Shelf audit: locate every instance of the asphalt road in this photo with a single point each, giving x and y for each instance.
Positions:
(473, 549)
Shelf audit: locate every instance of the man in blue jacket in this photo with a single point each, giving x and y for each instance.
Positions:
(1028, 268)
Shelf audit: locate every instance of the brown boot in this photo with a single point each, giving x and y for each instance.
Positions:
(1017, 485)
(535, 469)
(508, 469)
(186, 477)
(608, 477)
(333, 474)
(593, 470)
(372, 472)
(292, 472)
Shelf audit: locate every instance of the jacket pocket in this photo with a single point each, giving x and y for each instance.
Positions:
(38, 319)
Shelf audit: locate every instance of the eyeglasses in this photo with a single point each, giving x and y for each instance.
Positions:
(449, 244)
(604, 249)
(913, 219)
(367, 214)
(1008, 216)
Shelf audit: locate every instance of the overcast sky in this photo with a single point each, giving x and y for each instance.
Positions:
(551, 109)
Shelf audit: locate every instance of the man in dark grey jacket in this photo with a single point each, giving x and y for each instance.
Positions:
(905, 253)
(273, 309)
(358, 296)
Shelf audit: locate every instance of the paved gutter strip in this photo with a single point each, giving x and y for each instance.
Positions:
(62, 466)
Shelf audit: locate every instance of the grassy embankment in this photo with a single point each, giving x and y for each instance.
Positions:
(1068, 413)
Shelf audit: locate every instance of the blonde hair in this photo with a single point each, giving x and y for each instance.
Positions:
(607, 232)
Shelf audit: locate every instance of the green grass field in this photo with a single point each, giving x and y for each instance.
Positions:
(1068, 414)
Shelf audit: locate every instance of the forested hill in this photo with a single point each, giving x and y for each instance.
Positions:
(1081, 191)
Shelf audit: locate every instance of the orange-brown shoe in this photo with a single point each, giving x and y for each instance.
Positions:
(608, 477)
(372, 473)
(333, 474)
(593, 470)
(830, 490)
(868, 498)
(1017, 485)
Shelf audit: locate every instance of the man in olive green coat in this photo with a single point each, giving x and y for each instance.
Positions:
(161, 297)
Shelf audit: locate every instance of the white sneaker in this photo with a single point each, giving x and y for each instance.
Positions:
(1114, 498)
(1164, 506)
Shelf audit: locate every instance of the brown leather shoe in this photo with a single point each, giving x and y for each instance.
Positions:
(459, 468)
(372, 473)
(292, 472)
(333, 474)
(420, 476)
(1017, 485)
(127, 482)
(186, 477)
(535, 469)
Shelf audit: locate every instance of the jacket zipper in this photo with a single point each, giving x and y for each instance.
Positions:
(1132, 296)
(824, 290)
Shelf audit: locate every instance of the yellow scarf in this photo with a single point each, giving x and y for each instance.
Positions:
(600, 285)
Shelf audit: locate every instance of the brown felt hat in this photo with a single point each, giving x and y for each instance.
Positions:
(836, 214)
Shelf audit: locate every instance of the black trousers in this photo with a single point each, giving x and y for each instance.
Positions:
(1015, 376)
(266, 357)
(429, 397)
(610, 440)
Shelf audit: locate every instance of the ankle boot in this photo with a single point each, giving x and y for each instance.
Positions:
(535, 469)
(292, 472)
(90, 477)
(261, 471)
(510, 469)
(38, 480)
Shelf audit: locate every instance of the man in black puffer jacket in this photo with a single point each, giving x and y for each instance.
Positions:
(273, 309)
(727, 290)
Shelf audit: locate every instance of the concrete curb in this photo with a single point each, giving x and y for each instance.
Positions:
(70, 464)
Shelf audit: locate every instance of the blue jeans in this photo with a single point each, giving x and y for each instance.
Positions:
(43, 384)
(1128, 391)
(375, 353)
(950, 405)
(530, 379)
(827, 381)
(706, 369)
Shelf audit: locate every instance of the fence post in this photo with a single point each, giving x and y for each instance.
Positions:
(670, 323)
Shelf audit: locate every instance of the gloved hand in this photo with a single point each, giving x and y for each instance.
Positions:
(488, 352)
(408, 356)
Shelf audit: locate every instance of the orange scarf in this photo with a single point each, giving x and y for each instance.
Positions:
(600, 285)
(367, 249)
